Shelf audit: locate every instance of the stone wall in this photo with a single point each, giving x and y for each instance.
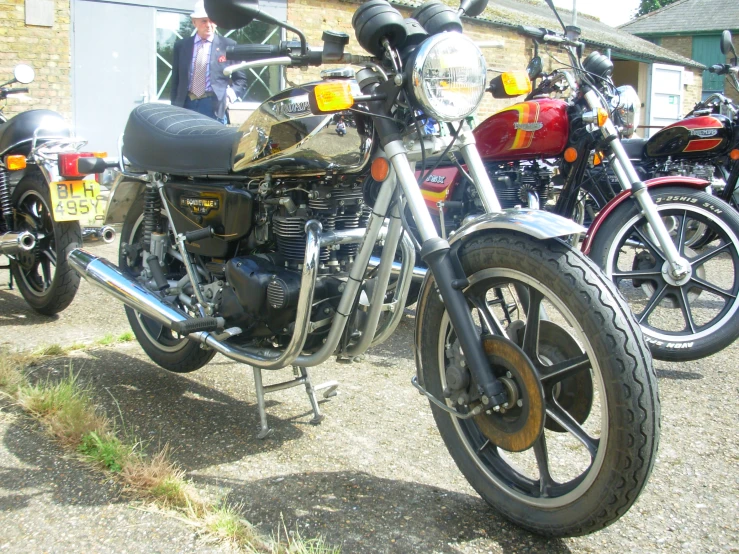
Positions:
(46, 49)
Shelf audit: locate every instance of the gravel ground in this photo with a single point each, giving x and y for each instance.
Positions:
(374, 476)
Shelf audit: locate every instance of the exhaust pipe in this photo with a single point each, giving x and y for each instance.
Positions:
(107, 233)
(418, 272)
(15, 243)
(106, 276)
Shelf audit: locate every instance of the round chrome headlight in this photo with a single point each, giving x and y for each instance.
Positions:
(447, 76)
(628, 109)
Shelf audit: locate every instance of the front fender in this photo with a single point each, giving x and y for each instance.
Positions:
(536, 223)
(123, 192)
(657, 182)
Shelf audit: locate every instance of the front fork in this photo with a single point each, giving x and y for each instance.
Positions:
(435, 251)
(629, 179)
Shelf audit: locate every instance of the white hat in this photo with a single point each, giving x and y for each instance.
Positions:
(199, 11)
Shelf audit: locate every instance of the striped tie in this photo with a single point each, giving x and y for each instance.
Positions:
(198, 73)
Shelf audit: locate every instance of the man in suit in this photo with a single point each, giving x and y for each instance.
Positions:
(198, 82)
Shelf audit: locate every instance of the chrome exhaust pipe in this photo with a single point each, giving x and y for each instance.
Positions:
(100, 273)
(15, 243)
(419, 273)
(107, 233)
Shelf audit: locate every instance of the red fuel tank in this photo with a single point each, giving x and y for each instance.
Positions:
(524, 131)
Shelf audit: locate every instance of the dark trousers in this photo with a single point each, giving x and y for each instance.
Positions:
(206, 106)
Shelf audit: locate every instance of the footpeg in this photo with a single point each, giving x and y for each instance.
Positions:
(197, 324)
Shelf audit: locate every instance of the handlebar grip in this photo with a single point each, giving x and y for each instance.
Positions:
(718, 69)
(249, 52)
(535, 32)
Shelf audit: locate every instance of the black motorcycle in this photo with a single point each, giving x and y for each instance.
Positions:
(42, 199)
(255, 243)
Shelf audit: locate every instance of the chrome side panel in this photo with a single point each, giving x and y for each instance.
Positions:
(284, 138)
(123, 192)
(536, 223)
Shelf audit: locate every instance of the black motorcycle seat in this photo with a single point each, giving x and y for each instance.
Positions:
(168, 139)
(634, 147)
(17, 133)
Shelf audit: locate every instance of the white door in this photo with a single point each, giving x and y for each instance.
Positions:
(665, 97)
(113, 68)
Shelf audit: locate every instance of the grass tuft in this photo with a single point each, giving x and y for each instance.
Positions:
(225, 523)
(64, 407)
(106, 449)
(106, 340)
(12, 365)
(127, 336)
(51, 350)
(160, 479)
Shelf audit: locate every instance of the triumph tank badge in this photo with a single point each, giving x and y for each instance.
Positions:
(703, 133)
(530, 127)
(199, 206)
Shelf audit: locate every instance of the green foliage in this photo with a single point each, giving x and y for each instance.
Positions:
(126, 336)
(106, 340)
(648, 6)
(107, 450)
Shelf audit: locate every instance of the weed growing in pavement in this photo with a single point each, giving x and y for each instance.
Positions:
(67, 410)
(108, 339)
(51, 350)
(126, 336)
(106, 449)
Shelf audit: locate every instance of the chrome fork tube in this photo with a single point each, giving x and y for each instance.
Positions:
(477, 170)
(629, 179)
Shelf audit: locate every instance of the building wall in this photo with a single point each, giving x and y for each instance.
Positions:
(730, 91)
(46, 49)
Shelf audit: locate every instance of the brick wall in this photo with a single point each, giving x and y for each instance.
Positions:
(681, 45)
(46, 49)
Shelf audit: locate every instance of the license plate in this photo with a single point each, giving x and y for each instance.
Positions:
(77, 201)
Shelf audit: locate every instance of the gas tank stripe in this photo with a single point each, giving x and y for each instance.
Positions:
(701, 145)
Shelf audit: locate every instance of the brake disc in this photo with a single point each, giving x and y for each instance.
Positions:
(518, 428)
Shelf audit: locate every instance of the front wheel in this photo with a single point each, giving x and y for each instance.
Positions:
(576, 442)
(44, 278)
(689, 318)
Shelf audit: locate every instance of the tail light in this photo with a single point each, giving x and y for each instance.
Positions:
(68, 162)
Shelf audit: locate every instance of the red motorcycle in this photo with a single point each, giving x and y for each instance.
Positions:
(538, 153)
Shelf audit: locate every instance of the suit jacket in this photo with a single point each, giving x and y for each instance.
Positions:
(182, 65)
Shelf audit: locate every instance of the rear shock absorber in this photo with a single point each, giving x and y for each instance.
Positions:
(5, 205)
(152, 214)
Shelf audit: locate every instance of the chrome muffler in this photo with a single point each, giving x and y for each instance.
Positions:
(15, 243)
(418, 272)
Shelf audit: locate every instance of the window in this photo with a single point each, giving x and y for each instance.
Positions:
(261, 82)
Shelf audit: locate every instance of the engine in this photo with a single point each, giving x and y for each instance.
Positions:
(685, 168)
(514, 182)
(265, 285)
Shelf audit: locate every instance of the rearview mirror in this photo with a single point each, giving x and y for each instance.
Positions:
(534, 68)
(727, 45)
(232, 14)
(473, 8)
(24, 73)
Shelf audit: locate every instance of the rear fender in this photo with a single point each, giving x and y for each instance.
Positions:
(123, 192)
(658, 182)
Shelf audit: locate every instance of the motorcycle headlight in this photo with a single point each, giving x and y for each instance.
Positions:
(447, 76)
(628, 109)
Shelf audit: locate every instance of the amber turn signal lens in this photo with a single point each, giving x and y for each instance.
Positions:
(570, 155)
(734, 154)
(597, 158)
(516, 82)
(602, 116)
(14, 163)
(333, 97)
(99, 154)
(380, 169)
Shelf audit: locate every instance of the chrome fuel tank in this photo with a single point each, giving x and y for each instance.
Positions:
(284, 138)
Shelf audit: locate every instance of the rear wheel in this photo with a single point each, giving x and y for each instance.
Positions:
(44, 278)
(697, 315)
(576, 444)
(165, 347)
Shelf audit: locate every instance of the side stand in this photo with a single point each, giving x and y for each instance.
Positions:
(302, 377)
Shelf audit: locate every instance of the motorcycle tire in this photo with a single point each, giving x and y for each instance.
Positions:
(43, 276)
(167, 349)
(682, 320)
(584, 475)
